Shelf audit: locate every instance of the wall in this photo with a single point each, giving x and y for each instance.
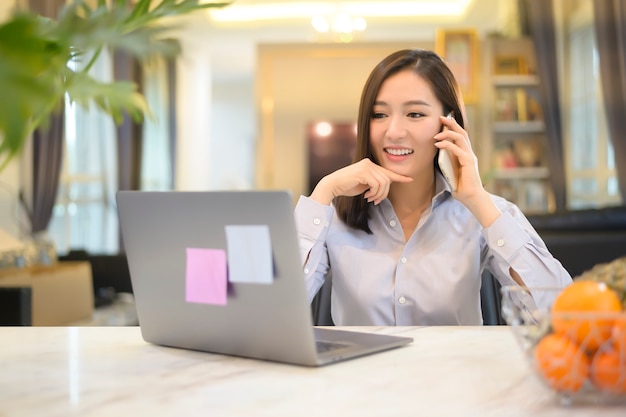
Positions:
(302, 83)
(216, 123)
(266, 83)
(234, 135)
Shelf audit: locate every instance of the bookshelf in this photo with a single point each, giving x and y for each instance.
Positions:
(516, 142)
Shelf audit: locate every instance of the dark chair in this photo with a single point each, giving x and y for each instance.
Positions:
(490, 302)
(16, 306)
(320, 306)
(110, 274)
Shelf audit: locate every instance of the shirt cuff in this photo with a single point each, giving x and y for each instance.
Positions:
(506, 237)
(312, 218)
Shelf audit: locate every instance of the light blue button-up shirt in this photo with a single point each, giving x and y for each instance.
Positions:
(433, 278)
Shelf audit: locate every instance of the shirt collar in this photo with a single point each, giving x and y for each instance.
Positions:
(442, 189)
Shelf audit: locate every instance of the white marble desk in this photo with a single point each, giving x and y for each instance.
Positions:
(111, 371)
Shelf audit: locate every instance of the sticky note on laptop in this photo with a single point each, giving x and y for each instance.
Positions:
(249, 250)
(206, 279)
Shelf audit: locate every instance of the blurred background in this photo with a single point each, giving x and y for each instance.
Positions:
(265, 95)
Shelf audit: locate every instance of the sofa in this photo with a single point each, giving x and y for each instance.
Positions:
(578, 239)
(581, 239)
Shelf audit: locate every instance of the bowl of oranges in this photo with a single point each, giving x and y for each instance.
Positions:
(574, 338)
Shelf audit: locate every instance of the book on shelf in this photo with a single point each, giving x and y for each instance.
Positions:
(531, 196)
(518, 152)
(516, 104)
(522, 111)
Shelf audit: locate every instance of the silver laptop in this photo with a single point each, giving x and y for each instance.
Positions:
(199, 265)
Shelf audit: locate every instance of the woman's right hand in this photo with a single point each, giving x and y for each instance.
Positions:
(363, 176)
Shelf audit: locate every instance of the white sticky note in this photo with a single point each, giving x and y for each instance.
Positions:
(249, 251)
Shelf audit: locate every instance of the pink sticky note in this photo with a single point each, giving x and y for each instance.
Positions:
(206, 276)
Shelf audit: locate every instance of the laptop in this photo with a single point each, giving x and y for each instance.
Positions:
(198, 263)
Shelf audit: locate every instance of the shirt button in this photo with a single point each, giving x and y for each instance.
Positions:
(316, 221)
(500, 242)
(402, 300)
(403, 260)
(306, 270)
(392, 223)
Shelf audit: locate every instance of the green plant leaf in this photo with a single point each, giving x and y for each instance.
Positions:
(35, 53)
(114, 98)
(30, 79)
(141, 8)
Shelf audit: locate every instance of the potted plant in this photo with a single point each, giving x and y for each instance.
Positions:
(35, 52)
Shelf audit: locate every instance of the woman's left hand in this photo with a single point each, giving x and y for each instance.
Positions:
(470, 190)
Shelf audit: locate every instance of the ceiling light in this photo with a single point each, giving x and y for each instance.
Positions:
(269, 11)
(323, 129)
(341, 23)
(320, 24)
(359, 24)
(257, 11)
(406, 8)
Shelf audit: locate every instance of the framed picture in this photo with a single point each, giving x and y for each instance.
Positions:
(510, 65)
(459, 48)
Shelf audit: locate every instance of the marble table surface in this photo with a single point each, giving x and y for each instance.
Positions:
(111, 371)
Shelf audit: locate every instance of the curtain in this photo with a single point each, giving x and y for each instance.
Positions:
(171, 107)
(610, 30)
(129, 132)
(47, 146)
(541, 25)
(47, 159)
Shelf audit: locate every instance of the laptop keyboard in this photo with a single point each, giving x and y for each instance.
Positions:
(324, 346)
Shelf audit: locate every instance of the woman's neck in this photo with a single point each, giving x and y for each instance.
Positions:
(413, 196)
(409, 200)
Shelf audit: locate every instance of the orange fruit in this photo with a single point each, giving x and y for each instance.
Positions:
(586, 311)
(608, 371)
(619, 334)
(561, 363)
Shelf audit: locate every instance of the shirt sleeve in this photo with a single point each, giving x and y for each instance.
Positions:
(313, 221)
(512, 242)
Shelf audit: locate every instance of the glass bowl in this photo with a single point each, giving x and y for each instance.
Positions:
(582, 362)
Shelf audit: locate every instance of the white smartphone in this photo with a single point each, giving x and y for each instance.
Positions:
(447, 167)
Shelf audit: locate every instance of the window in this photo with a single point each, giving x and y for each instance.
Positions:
(592, 180)
(84, 216)
(85, 213)
(156, 166)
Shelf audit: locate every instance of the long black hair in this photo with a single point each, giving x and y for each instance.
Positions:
(354, 211)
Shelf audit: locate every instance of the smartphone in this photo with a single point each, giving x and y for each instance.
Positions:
(445, 164)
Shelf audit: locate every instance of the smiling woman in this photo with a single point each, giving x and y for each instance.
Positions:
(402, 247)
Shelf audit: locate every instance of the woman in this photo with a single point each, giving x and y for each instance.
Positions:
(403, 248)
